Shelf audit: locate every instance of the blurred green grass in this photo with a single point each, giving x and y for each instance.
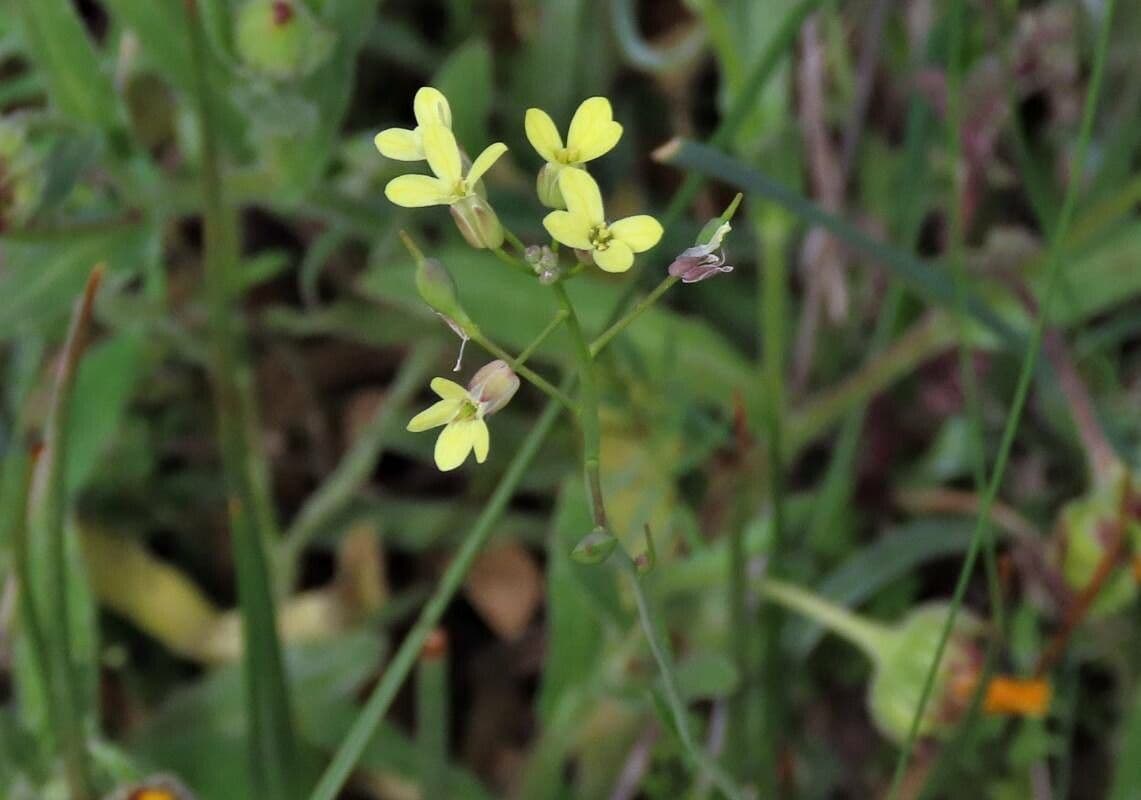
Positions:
(307, 325)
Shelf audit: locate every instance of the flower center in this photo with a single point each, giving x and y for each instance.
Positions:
(468, 411)
(565, 155)
(460, 189)
(600, 237)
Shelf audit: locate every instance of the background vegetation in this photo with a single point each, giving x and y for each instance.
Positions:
(207, 431)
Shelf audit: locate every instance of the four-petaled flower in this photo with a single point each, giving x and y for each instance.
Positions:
(583, 225)
(449, 184)
(461, 411)
(430, 108)
(593, 132)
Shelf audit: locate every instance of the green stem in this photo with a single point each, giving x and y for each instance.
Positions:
(870, 637)
(664, 660)
(272, 748)
(639, 308)
(432, 717)
(771, 226)
(559, 318)
(540, 383)
(587, 411)
(1021, 390)
(377, 705)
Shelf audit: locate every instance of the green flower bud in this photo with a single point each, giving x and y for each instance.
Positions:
(1084, 535)
(595, 547)
(437, 288)
(281, 38)
(492, 386)
(901, 671)
(547, 186)
(477, 222)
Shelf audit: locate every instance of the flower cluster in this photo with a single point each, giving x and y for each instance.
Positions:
(577, 220)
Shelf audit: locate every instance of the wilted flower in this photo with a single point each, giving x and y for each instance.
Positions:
(703, 260)
(583, 225)
(430, 107)
(593, 133)
(461, 411)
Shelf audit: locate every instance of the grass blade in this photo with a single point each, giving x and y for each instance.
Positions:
(382, 696)
(49, 590)
(272, 745)
(929, 282)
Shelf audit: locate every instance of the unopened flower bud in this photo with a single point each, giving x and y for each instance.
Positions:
(281, 38)
(477, 222)
(493, 385)
(595, 547)
(437, 289)
(545, 263)
(547, 186)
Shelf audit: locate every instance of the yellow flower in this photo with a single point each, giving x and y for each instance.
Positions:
(583, 225)
(448, 185)
(430, 108)
(461, 411)
(593, 132)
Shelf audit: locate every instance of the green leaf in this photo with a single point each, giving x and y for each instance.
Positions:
(466, 78)
(894, 555)
(60, 47)
(707, 675)
(105, 382)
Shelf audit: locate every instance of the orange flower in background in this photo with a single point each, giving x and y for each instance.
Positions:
(1023, 697)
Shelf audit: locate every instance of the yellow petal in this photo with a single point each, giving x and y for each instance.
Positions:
(437, 414)
(431, 108)
(593, 130)
(454, 444)
(639, 232)
(617, 257)
(449, 390)
(581, 195)
(542, 133)
(481, 440)
(484, 161)
(415, 191)
(442, 152)
(568, 229)
(400, 144)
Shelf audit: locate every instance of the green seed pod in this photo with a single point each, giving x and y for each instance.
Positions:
(478, 222)
(901, 670)
(547, 186)
(281, 38)
(595, 547)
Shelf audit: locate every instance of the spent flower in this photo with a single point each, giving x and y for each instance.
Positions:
(462, 411)
(593, 133)
(430, 107)
(583, 225)
(702, 260)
